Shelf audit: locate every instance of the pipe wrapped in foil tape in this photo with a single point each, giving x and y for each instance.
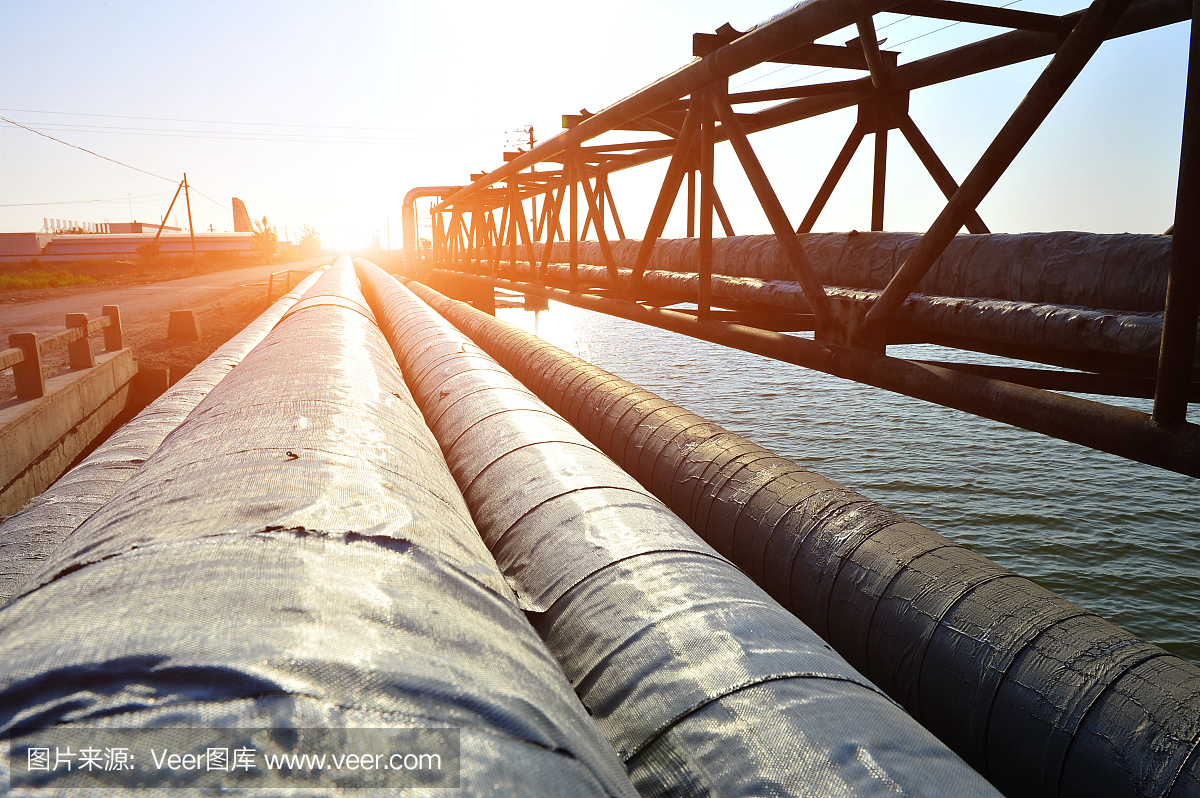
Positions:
(702, 683)
(1038, 694)
(295, 556)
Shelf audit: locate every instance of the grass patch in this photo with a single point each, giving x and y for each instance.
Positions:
(23, 281)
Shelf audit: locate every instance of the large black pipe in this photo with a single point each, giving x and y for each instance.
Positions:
(31, 535)
(1052, 328)
(674, 651)
(297, 555)
(1120, 271)
(1108, 428)
(1038, 694)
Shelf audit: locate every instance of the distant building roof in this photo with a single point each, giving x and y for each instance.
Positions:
(49, 247)
(168, 243)
(139, 227)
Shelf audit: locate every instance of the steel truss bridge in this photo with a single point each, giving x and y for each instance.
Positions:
(1121, 322)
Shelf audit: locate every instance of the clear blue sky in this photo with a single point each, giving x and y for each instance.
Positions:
(274, 102)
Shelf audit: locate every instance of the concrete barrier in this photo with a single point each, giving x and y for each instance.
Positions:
(52, 421)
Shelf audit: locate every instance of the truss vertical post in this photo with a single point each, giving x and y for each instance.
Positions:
(590, 195)
(680, 161)
(879, 184)
(498, 247)
(707, 162)
(572, 178)
(439, 240)
(478, 234)
(1183, 281)
(523, 230)
(515, 210)
(691, 203)
(454, 244)
(553, 227)
(1073, 55)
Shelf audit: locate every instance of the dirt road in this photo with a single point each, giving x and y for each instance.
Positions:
(224, 302)
(141, 305)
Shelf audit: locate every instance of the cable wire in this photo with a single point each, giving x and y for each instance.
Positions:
(253, 124)
(84, 149)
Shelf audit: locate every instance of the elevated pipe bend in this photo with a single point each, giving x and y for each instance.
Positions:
(1041, 696)
(408, 213)
(296, 555)
(700, 681)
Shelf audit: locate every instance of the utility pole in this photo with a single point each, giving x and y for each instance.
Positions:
(191, 230)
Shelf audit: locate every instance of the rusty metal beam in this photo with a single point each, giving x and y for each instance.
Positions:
(1117, 430)
(984, 15)
(857, 133)
(707, 167)
(937, 170)
(1183, 281)
(788, 240)
(666, 196)
(804, 23)
(1085, 38)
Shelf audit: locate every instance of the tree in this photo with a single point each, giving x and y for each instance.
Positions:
(264, 240)
(148, 253)
(310, 242)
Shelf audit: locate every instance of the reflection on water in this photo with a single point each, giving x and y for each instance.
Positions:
(1119, 538)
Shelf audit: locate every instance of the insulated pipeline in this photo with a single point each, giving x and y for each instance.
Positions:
(1039, 695)
(1123, 271)
(297, 555)
(28, 537)
(702, 683)
(1036, 324)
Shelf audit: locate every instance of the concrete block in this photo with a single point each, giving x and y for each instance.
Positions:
(184, 324)
(149, 384)
(39, 438)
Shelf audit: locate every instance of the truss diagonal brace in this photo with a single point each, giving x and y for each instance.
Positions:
(937, 170)
(680, 159)
(1076, 50)
(789, 242)
(589, 194)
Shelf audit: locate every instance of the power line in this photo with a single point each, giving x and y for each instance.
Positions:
(253, 124)
(84, 149)
(210, 199)
(111, 160)
(140, 198)
(881, 27)
(217, 135)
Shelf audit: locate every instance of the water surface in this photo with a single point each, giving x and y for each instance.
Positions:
(1117, 537)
